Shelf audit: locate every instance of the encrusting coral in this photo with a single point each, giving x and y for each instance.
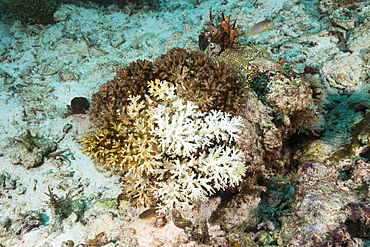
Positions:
(169, 150)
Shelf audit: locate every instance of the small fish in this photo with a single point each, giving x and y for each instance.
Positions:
(68, 243)
(260, 27)
(148, 214)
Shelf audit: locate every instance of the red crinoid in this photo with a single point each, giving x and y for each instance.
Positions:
(229, 32)
(224, 35)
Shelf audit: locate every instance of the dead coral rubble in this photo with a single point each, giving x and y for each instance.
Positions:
(29, 150)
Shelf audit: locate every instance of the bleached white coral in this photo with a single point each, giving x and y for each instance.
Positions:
(200, 160)
(183, 128)
(195, 179)
(169, 150)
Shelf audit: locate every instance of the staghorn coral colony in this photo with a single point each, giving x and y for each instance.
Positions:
(169, 150)
(146, 133)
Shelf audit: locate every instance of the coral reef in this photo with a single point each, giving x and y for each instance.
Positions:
(238, 210)
(236, 239)
(342, 3)
(328, 210)
(317, 150)
(243, 59)
(129, 141)
(279, 103)
(358, 224)
(360, 139)
(158, 163)
(167, 148)
(113, 95)
(276, 201)
(347, 125)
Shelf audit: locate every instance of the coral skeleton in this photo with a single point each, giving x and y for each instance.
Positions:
(169, 150)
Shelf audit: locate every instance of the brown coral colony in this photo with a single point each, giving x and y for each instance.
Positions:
(113, 95)
(208, 83)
